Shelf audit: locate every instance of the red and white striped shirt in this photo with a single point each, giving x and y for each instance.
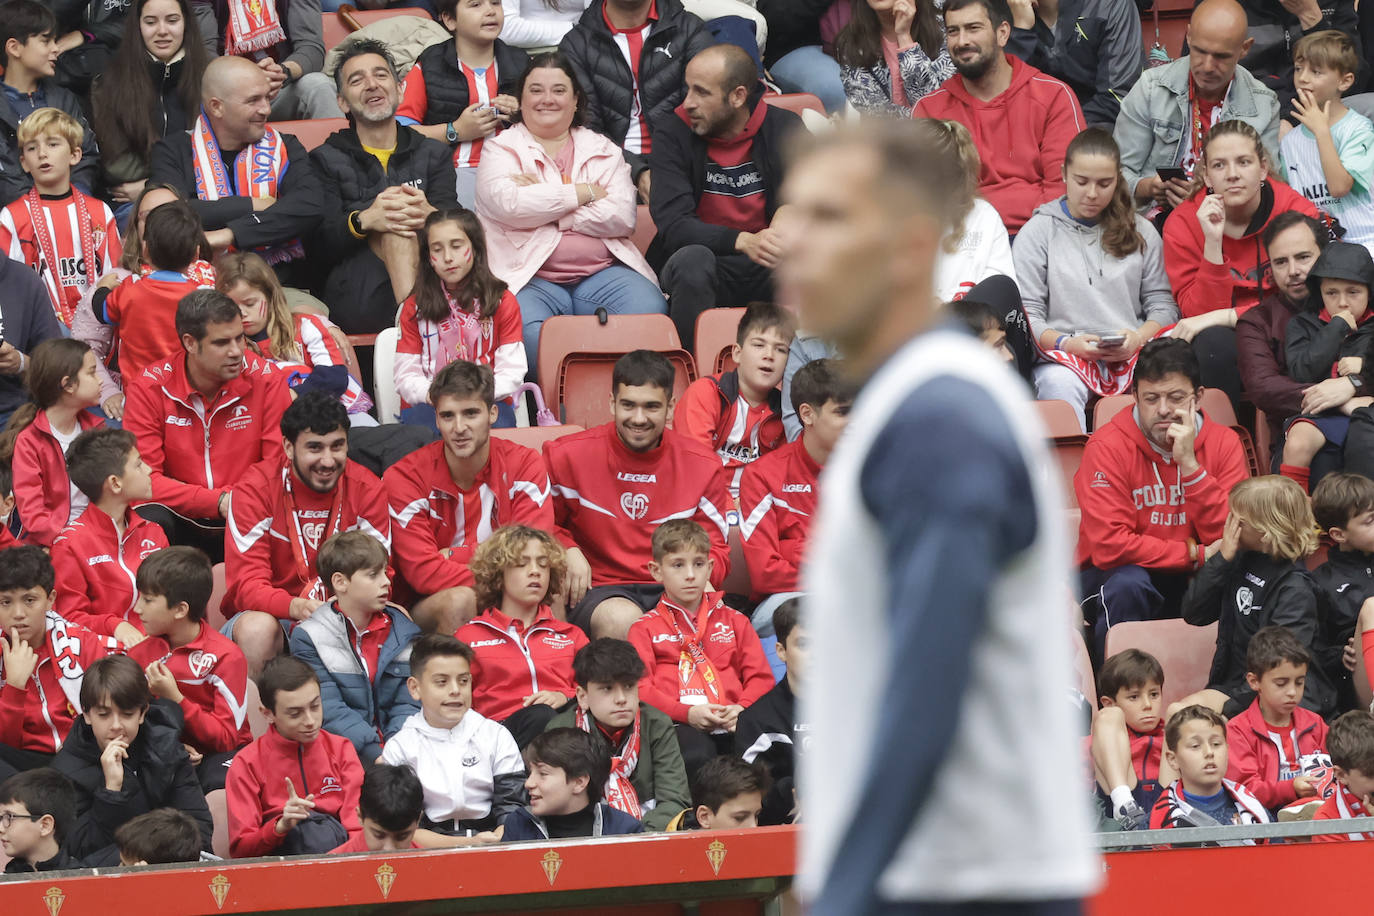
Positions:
(71, 280)
(482, 83)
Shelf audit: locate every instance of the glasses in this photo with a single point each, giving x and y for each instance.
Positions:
(7, 818)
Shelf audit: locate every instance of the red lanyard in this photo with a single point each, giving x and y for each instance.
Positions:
(298, 547)
(38, 216)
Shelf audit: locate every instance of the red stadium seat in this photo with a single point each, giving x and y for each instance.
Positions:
(257, 722)
(796, 102)
(1060, 419)
(1066, 435)
(645, 230)
(535, 436)
(213, 615)
(1110, 406)
(336, 29)
(1185, 651)
(1173, 28)
(715, 336)
(311, 133)
(218, 802)
(1083, 668)
(738, 582)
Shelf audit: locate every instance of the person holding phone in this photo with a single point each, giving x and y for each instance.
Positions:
(1091, 272)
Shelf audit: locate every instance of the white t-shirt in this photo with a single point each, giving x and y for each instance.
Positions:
(983, 251)
(1353, 135)
(79, 502)
(534, 24)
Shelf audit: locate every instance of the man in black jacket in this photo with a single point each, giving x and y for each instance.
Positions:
(375, 201)
(717, 170)
(26, 320)
(278, 202)
(629, 56)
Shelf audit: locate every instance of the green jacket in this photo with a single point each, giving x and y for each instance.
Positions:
(660, 774)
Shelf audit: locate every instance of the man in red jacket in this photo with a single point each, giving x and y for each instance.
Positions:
(282, 512)
(1021, 119)
(203, 417)
(614, 484)
(450, 495)
(1153, 490)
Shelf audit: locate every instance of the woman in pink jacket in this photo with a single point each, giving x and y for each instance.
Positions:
(559, 210)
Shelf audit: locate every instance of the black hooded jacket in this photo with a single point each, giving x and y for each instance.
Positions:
(1315, 341)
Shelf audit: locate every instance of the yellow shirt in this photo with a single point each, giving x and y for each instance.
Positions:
(383, 156)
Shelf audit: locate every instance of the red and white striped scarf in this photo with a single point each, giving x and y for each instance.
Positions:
(254, 25)
(620, 793)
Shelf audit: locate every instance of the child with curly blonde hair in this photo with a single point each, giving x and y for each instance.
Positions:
(522, 667)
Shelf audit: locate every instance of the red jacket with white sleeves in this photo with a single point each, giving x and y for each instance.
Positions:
(96, 568)
(212, 675)
(513, 662)
(38, 715)
(198, 451)
(713, 412)
(728, 640)
(276, 525)
(607, 500)
(778, 495)
(429, 513)
(1257, 760)
(42, 488)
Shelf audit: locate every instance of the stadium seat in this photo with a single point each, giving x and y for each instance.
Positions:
(1083, 669)
(715, 335)
(738, 582)
(796, 102)
(336, 29)
(388, 401)
(257, 722)
(1214, 403)
(645, 230)
(218, 802)
(1066, 436)
(535, 436)
(1110, 406)
(1185, 651)
(1060, 419)
(345, 344)
(311, 133)
(1264, 441)
(213, 614)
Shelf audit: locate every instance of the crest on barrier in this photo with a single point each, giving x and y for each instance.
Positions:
(386, 876)
(53, 900)
(219, 889)
(715, 854)
(551, 862)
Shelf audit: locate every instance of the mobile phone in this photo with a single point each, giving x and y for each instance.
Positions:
(1172, 172)
(1111, 341)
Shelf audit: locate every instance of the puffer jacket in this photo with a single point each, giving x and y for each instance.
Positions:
(605, 77)
(1314, 341)
(446, 88)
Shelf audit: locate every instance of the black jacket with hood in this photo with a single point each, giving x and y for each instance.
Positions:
(1316, 342)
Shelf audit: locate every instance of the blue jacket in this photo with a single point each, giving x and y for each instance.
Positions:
(354, 708)
(606, 821)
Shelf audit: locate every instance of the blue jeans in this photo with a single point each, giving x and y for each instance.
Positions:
(617, 289)
(809, 69)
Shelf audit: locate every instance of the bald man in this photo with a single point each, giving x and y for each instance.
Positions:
(717, 167)
(1165, 116)
(252, 187)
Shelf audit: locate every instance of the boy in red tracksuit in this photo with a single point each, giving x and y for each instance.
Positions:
(1351, 744)
(96, 557)
(1153, 489)
(205, 415)
(281, 513)
(614, 484)
(522, 666)
(447, 497)
(142, 308)
(1278, 749)
(43, 659)
(1022, 132)
(189, 662)
(739, 413)
(294, 771)
(703, 661)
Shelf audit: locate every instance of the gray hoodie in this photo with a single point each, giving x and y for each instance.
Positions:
(1070, 284)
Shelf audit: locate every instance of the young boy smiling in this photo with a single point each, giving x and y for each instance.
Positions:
(37, 809)
(567, 771)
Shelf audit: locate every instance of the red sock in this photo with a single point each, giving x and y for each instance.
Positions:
(1297, 473)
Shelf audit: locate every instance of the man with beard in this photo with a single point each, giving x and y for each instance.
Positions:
(1021, 119)
(281, 513)
(380, 180)
(717, 167)
(1294, 242)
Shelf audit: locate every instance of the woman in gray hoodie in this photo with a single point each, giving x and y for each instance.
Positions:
(1092, 278)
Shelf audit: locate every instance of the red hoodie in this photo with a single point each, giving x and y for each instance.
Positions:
(97, 567)
(256, 793)
(1201, 286)
(42, 489)
(1021, 136)
(1137, 508)
(38, 715)
(733, 192)
(1257, 760)
(198, 451)
(730, 643)
(512, 662)
(269, 555)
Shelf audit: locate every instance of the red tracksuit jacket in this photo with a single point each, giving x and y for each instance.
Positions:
(198, 451)
(731, 645)
(430, 513)
(143, 310)
(256, 793)
(608, 500)
(1258, 762)
(1138, 509)
(1021, 137)
(42, 489)
(511, 664)
(212, 675)
(261, 565)
(1343, 806)
(97, 567)
(778, 495)
(739, 434)
(38, 716)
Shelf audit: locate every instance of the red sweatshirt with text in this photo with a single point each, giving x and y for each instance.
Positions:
(513, 661)
(212, 675)
(97, 568)
(37, 715)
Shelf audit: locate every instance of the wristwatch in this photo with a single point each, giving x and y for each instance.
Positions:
(451, 133)
(1357, 382)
